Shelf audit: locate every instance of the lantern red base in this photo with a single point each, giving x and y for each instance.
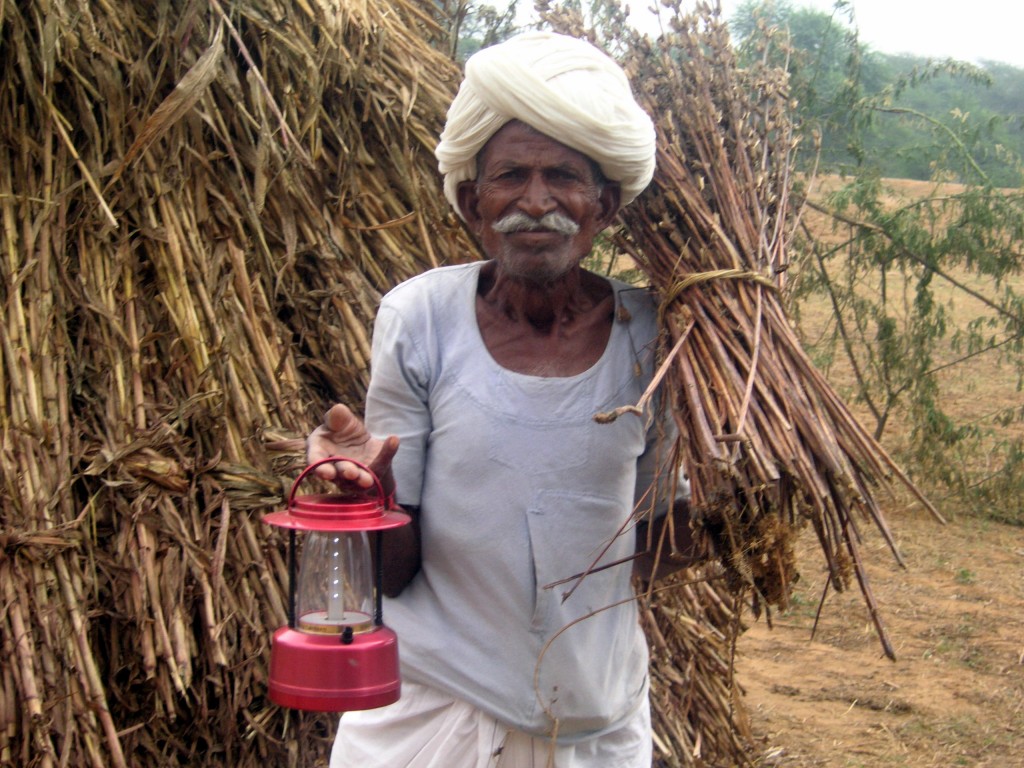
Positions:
(320, 673)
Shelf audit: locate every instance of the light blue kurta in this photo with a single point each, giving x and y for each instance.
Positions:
(518, 488)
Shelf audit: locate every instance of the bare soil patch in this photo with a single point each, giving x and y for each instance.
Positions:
(955, 694)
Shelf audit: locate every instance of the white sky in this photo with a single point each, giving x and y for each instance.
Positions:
(962, 29)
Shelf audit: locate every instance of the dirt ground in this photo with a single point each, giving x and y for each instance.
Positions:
(955, 694)
(955, 618)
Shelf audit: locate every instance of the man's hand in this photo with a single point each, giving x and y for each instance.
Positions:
(343, 434)
(656, 558)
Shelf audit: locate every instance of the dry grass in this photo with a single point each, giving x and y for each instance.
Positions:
(201, 205)
(817, 692)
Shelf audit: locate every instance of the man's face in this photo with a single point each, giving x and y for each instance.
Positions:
(536, 204)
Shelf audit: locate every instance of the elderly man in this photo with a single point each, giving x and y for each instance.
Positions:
(485, 381)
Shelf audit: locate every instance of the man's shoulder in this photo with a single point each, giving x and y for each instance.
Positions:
(438, 282)
(434, 287)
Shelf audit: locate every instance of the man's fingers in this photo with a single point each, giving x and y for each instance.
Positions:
(337, 417)
(387, 452)
(343, 434)
(341, 472)
(327, 470)
(355, 474)
(344, 426)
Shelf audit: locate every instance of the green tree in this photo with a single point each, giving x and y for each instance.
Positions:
(472, 26)
(892, 266)
(825, 61)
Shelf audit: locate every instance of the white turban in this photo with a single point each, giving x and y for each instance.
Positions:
(561, 86)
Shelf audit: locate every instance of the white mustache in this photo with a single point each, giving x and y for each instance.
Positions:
(549, 222)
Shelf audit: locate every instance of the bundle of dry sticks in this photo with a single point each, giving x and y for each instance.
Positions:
(766, 442)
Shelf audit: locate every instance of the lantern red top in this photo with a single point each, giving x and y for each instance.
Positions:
(336, 511)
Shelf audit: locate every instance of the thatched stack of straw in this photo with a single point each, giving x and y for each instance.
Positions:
(201, 205)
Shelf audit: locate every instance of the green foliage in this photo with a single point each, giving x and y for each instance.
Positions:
(883, 271)
(473, 26)
(898, 271)
(866, 106)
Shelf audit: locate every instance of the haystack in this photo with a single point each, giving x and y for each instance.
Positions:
(201, 206)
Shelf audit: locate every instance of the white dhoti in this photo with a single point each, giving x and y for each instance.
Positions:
(429, 729)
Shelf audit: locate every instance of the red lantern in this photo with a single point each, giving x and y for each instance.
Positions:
(335, 655)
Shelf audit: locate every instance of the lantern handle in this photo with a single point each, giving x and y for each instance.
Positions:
(384, 499)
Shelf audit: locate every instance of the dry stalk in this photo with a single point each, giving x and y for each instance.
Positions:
(200, 207)
(766, 443)
(764, 438)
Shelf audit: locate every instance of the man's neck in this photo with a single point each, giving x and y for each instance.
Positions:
(558, 329)
(544, 306)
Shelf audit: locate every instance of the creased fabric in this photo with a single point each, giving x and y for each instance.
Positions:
(429, 729)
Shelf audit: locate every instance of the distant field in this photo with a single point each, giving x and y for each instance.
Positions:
(972, 392)
(955, 694)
